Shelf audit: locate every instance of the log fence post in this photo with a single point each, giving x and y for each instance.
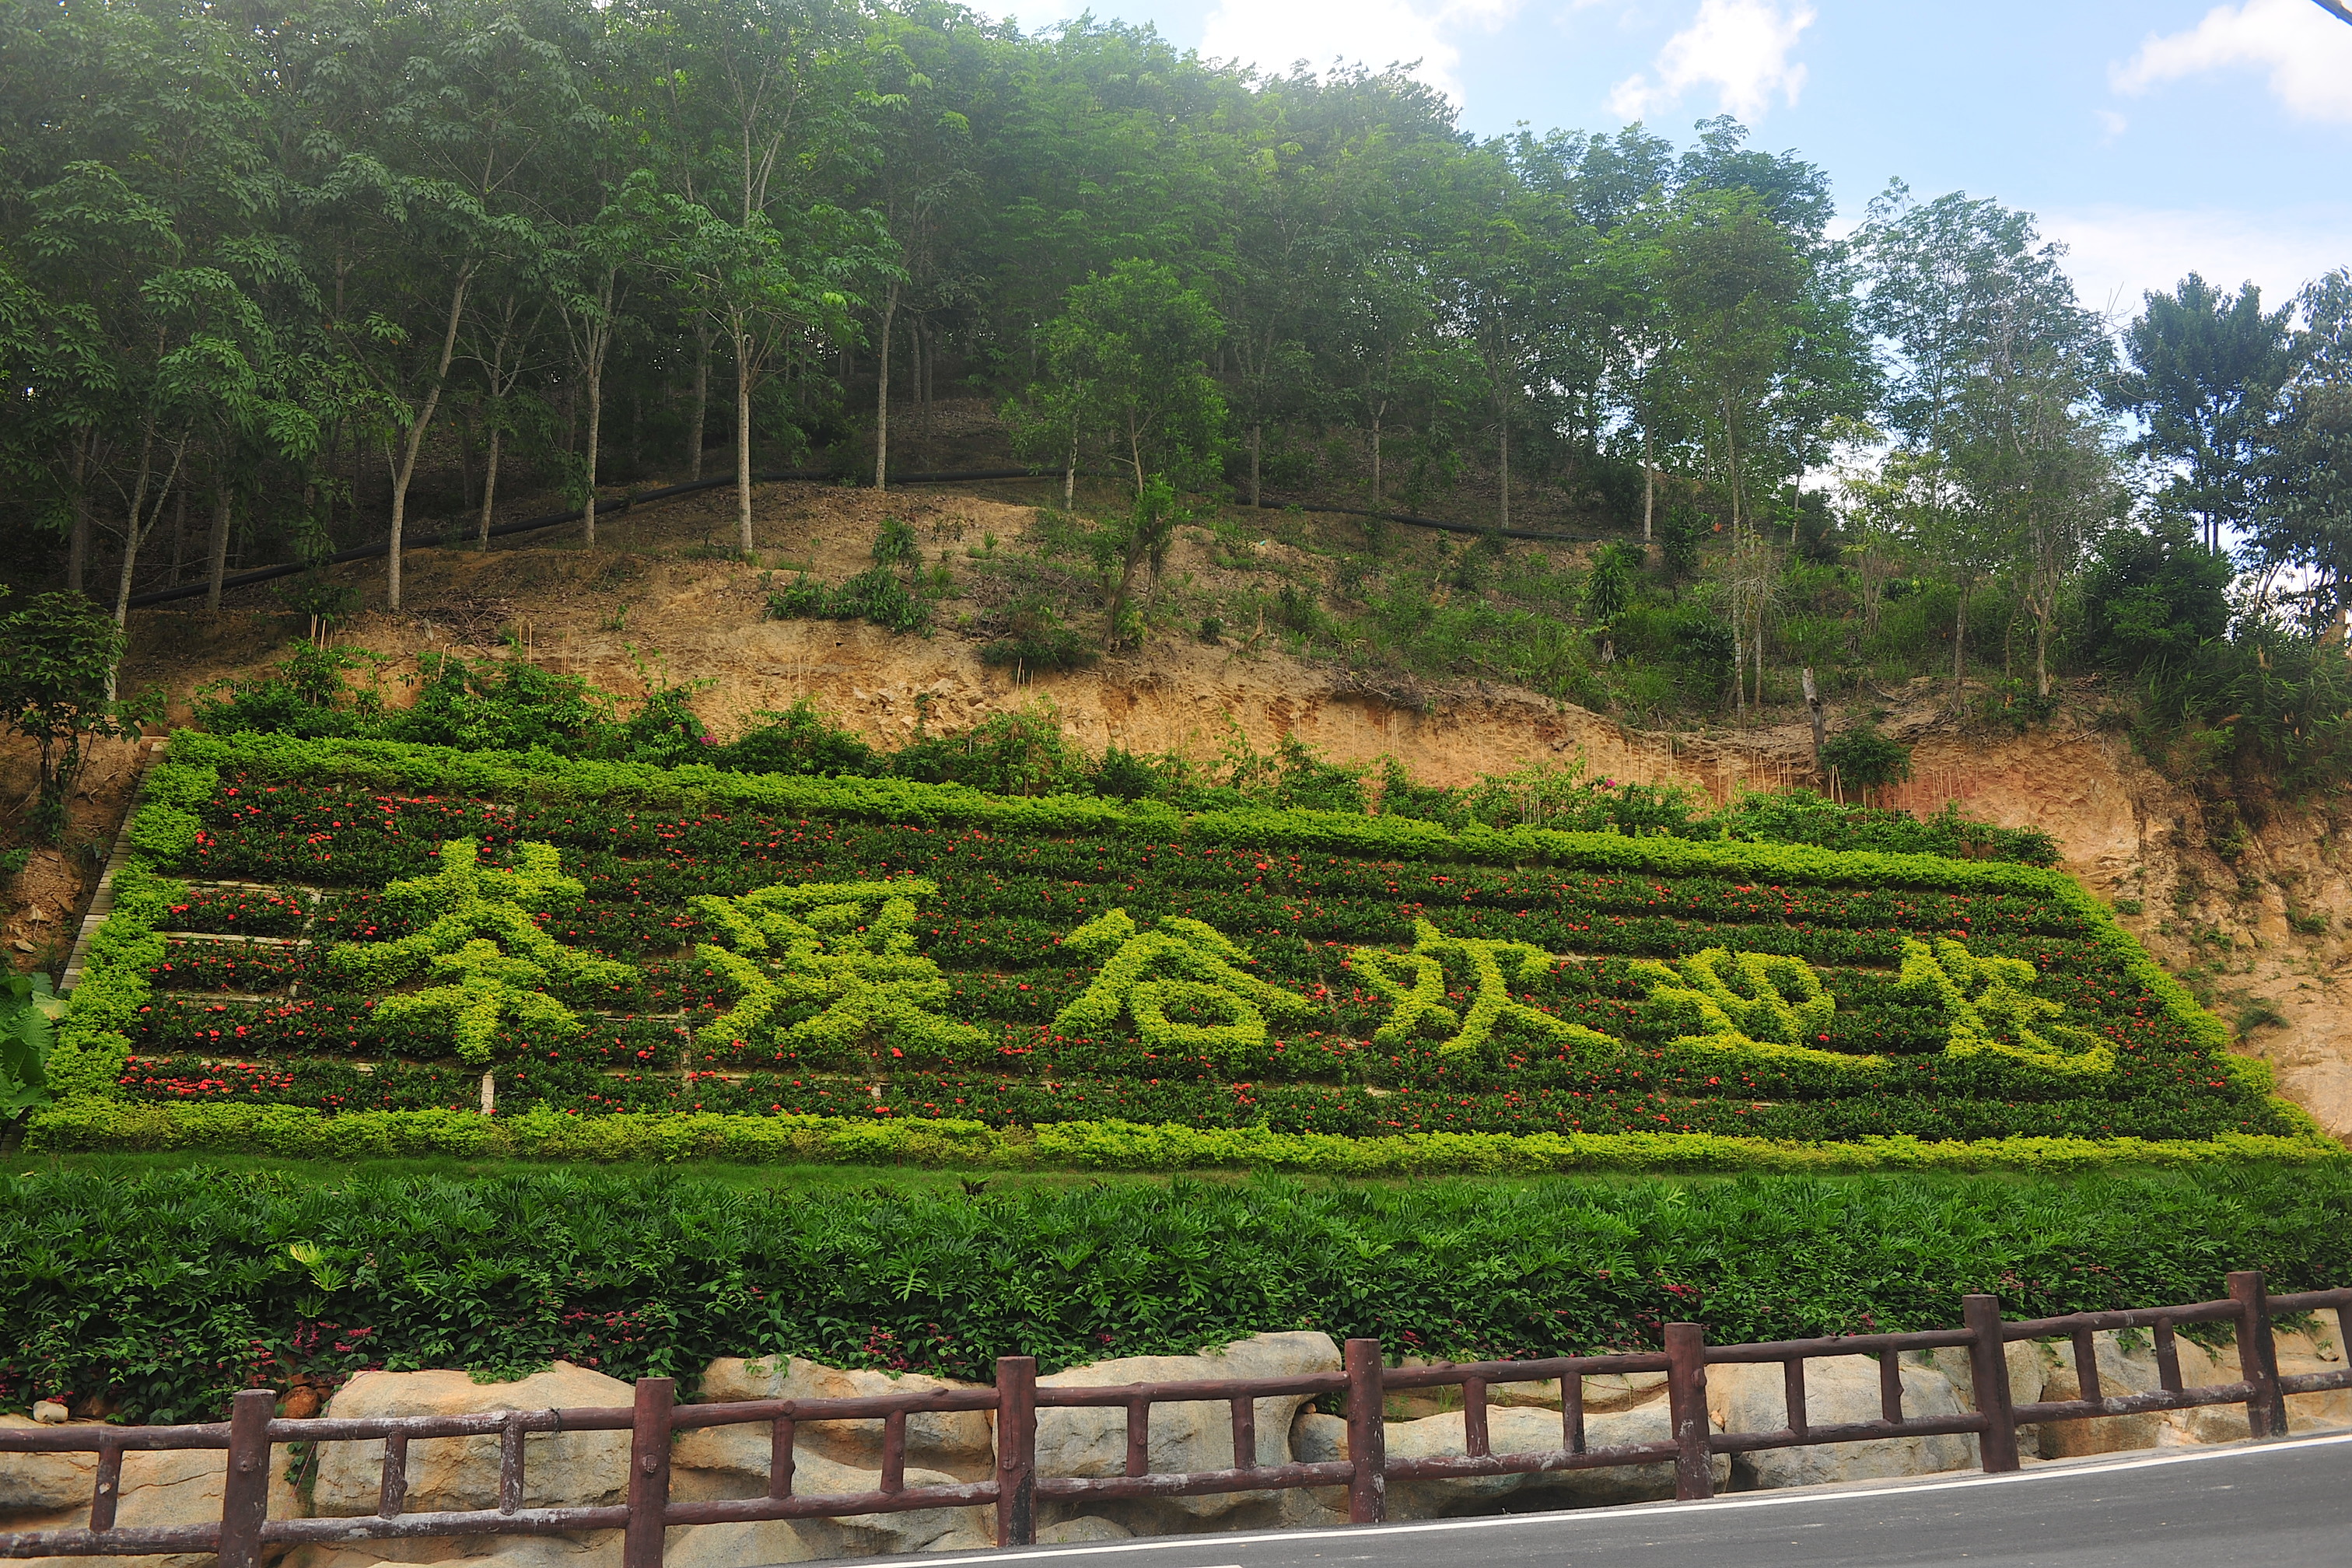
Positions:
(1368, 1444)
(244, 1492)
(1017, 1450)
(2258, 1354)
(1988, 1373)
(649, 1434)
(1687, 1404)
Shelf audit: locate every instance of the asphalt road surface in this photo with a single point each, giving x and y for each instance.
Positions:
(2275, 1505)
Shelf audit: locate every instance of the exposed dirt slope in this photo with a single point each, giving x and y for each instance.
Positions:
(2259, 933)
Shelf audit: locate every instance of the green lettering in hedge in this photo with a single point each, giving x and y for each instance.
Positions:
(1418, 1004)
(817, 965)
(479, 938)
(1765, 1003)
(1992, 1013)
(1183, 962)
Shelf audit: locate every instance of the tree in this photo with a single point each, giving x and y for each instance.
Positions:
(57, 659)
(1129, 353)
(2302, 518)
(2205, 367)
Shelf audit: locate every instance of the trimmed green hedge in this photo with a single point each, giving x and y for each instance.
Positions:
(169, 1291)
(298, 1132)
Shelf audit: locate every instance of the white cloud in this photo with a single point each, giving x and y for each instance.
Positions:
(1739, 46)
(1274, 34)
(2111, 123)
(2308, 53)
(2118, 254)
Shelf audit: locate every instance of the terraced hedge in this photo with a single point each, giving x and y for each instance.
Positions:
(879, 950)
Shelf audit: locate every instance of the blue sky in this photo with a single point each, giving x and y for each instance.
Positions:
(2152, 137)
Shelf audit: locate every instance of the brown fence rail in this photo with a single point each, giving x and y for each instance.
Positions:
(244, 1527)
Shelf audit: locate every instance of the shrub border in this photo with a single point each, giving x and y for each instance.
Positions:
(93, 1046)
(301, 1132)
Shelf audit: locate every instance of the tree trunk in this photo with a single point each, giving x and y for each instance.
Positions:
(1649, 486)
(1959, 640)
(1070, 470)
(743, 439)
(1257, 443)
(489, 486)
(405, 469)
(1813, 708)
(78, 542)
(1505, 445)
(882, 395)
(596, 433)
(701, 404)
(217, 567)
(141, 523)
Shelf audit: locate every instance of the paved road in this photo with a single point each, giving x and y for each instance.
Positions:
(2282, 1505)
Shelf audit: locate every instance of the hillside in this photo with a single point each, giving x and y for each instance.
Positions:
(2250, 934)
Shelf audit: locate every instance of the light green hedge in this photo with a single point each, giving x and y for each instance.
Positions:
(295, 1133)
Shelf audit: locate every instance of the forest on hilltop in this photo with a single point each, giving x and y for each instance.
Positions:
(289, 280)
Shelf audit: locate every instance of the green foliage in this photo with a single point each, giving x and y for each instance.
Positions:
(1036, 641)
(2152, 598)
(1866, 759)
(797, 740)
(888, 593)
(642, 1274)
(1183, 963)
(58, 658)
(29, 1011)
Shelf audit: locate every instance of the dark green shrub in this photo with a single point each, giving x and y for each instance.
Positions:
(797, 740)
(1866, 759)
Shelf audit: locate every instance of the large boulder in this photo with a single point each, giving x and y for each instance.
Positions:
(1186, 1435)
(560, 1469)
(1521, 1428)
(160, 1488)
(959, 1442)
(1839, 1390)
(2127, 1363)
(716, 1462)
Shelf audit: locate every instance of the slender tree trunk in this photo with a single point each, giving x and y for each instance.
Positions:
(141, 521)
(1959, 640)
(217, 567)
(1505, 444)
(882, 395)
(743, 439)
(1649, 486)
(405, 469)
(490, 485)
(701, 403)
(78, 542)
(1070, 470)
(1813, 708)
(595, 431)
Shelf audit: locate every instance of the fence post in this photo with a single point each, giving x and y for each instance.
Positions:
(245, 1492)
(1687, 1404)
(2258, 1355)
(1989, 1371)
(1368, 1436)
(648, 1528)
(1017, 1450)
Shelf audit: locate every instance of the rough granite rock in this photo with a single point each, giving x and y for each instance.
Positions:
(1752, 1397)
(1509, 1429)
(560, 1469)
(1191, 1435)
(159, 1489)
(960, 1442)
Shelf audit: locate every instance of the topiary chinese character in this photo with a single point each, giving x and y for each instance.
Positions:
(1986, 1000)
(818, 966)
(1182, 963)
(1419, 1003)
(1766, 1001)
(476, 935)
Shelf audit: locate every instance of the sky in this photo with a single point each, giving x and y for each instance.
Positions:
(2152, 138)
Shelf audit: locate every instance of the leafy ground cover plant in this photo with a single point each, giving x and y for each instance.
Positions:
(1020, 962)
(165, 1292)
